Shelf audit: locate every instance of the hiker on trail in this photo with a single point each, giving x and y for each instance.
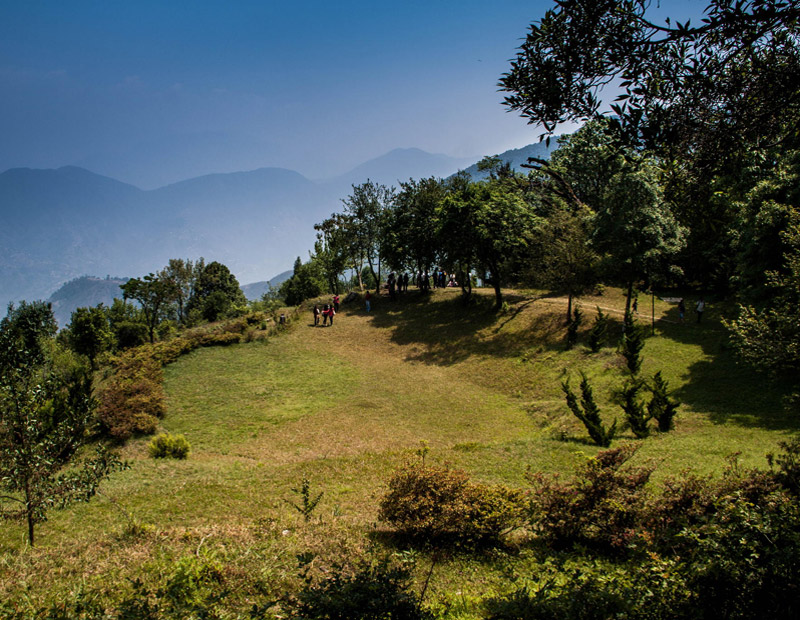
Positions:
(681, 309)
(636, 305)
(336, 303)
(316, 315)
(700, 308)
(367, 299)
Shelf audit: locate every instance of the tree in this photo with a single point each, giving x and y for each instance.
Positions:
(683, 85)
(90, 332)
(22, 333)
(332, 251)
(183, 275)
(216, 278)
(635, 227)
(365, 210)
(154, 295)
(44, 414)
(127, 323)
(411, 235)
(305, 283)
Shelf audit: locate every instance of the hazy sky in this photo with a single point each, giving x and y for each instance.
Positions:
(154, 92)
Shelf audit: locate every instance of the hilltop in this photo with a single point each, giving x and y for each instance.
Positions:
(342, 406)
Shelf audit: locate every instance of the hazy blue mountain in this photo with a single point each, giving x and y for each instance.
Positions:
(60, 224)
(400, 165)
(517, 157)
(256, 290)
(84, 292)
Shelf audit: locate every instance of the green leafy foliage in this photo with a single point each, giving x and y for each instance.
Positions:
(632, 343)
(635, 414)
(435, 503)
(307, 503)
(597, 333)
(601, 507)
(45, 412)
(90, 332)
(367, 590)
(573, 327)
(588, 412)
(661, 407)
(166, 445)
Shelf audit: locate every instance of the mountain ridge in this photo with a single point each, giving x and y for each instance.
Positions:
(60, 223)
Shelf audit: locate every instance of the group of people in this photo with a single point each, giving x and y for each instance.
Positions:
(327, 312)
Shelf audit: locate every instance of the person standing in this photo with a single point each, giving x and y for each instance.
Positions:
(700, 308)
(316, 315)
(681, 309)
(336, 303)
(325, 315)
(367, 299)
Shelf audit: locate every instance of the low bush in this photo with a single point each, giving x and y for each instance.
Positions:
(588, 412)
(370, 589)
(166, 445)
(134, 399)
(601, 507)
(431, 503)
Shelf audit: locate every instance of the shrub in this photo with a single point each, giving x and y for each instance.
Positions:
(597, 334)
(166, 445)
(788, 474)
(634, 409)
(134, 399)
(130, 334)
(631, 344)
(601, 507)
(573, 327)
(662, 408)
(431, 503)
(589, 413)
(369, 590)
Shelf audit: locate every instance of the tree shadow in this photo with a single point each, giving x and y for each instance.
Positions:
(720, 384)
(442, 331)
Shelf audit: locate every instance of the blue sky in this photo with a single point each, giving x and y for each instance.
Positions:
(155, 92)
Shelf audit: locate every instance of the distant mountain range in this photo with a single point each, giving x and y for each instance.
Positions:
(60, 224)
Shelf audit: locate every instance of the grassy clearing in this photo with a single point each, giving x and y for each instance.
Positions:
(343, 405)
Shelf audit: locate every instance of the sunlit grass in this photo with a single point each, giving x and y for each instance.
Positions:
(344, 405)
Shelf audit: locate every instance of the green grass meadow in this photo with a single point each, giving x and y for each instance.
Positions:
(344, 405)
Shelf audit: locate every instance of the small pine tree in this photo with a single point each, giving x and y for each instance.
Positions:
(589, 413)
(633, 407)
(662, 408)
(597, 334)
(574, 325)
(631, 344)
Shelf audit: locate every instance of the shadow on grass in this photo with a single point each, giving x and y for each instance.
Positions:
(731, 392)
(445, 328)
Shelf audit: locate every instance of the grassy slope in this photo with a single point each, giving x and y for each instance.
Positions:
(343, 405)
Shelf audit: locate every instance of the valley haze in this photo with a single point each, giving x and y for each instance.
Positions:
(60, 224)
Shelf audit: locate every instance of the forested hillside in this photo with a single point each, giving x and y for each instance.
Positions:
(571, 391)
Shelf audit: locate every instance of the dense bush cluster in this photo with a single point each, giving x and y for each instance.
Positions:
(436, 503)
(369, 589)
(133, 401)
